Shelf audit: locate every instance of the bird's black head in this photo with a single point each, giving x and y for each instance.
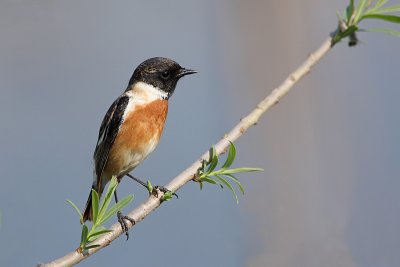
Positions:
(162, 73)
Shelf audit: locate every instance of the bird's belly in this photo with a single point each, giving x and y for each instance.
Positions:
(130, 158)
(124, 159)
(137, 138)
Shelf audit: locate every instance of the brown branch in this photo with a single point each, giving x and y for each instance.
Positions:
(187, 175)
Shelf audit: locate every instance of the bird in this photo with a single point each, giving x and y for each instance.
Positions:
(132, 127)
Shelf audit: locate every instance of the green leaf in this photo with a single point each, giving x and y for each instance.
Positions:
(167, 196)
(76, 209)
(149, 186)
(213, 162)
(239, 170)
(350, 10)
(359, 10)
(212, 154)
(91, 246)
(229, 186)
(234, 179)
(84, 236)
(231, 156)
(390, 18)
(385, 30)
(221, 175)
(95, 205)
(379, 4)
(208, 180)
(390, 9)
(94, 235)
(107, 199)
(114, 209)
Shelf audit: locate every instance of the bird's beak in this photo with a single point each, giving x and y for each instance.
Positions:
(183, 72)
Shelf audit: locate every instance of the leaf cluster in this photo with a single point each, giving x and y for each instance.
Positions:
(166, 196)
(365, 9)
(223, 176)
(100, 214)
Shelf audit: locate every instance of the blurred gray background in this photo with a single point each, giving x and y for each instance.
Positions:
(330, 150)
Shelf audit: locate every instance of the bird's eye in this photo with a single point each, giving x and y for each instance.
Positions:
(165, 74)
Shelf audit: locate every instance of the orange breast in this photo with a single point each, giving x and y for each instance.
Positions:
(137, 137)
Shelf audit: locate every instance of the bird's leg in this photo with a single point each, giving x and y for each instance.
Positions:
(122, 218)
(138, 180)
(161, 188)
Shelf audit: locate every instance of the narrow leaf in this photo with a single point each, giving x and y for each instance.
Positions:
(84, 236)
(385, 30)
(167, 196)
(117, 207)
(231, 156)
(229, 186)
(203, 165)
(213, 160)
(389, 18)
(359, 11)
(233, 178)
(91, 237)
(95, 205)
(212, 165)
(149, 186)
(208, 180)
(99, 228)
(212, 153)
(107, 199)
(76, 209)
(350, 10)
(379, 4)
(389, 9)
(92, 246)
(239, 170)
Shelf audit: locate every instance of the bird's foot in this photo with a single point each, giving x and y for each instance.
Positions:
(122, 221)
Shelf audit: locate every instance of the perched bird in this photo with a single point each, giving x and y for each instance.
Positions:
(132, 126)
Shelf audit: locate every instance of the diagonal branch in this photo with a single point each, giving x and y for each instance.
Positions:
(187, 175)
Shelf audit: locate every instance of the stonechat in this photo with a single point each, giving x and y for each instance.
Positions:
(132, 126)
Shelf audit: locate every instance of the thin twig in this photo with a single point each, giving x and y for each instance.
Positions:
(139, 213)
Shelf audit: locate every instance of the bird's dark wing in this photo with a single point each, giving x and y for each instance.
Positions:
(108, 132)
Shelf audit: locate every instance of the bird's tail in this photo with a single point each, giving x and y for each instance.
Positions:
(87, 213)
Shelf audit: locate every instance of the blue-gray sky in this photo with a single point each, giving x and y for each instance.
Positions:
(329, 193)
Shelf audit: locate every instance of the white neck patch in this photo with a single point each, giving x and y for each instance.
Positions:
(148, 92)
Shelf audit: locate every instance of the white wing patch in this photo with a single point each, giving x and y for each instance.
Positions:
(101, 138)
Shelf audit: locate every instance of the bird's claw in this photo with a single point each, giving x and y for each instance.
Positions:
(122, 222)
